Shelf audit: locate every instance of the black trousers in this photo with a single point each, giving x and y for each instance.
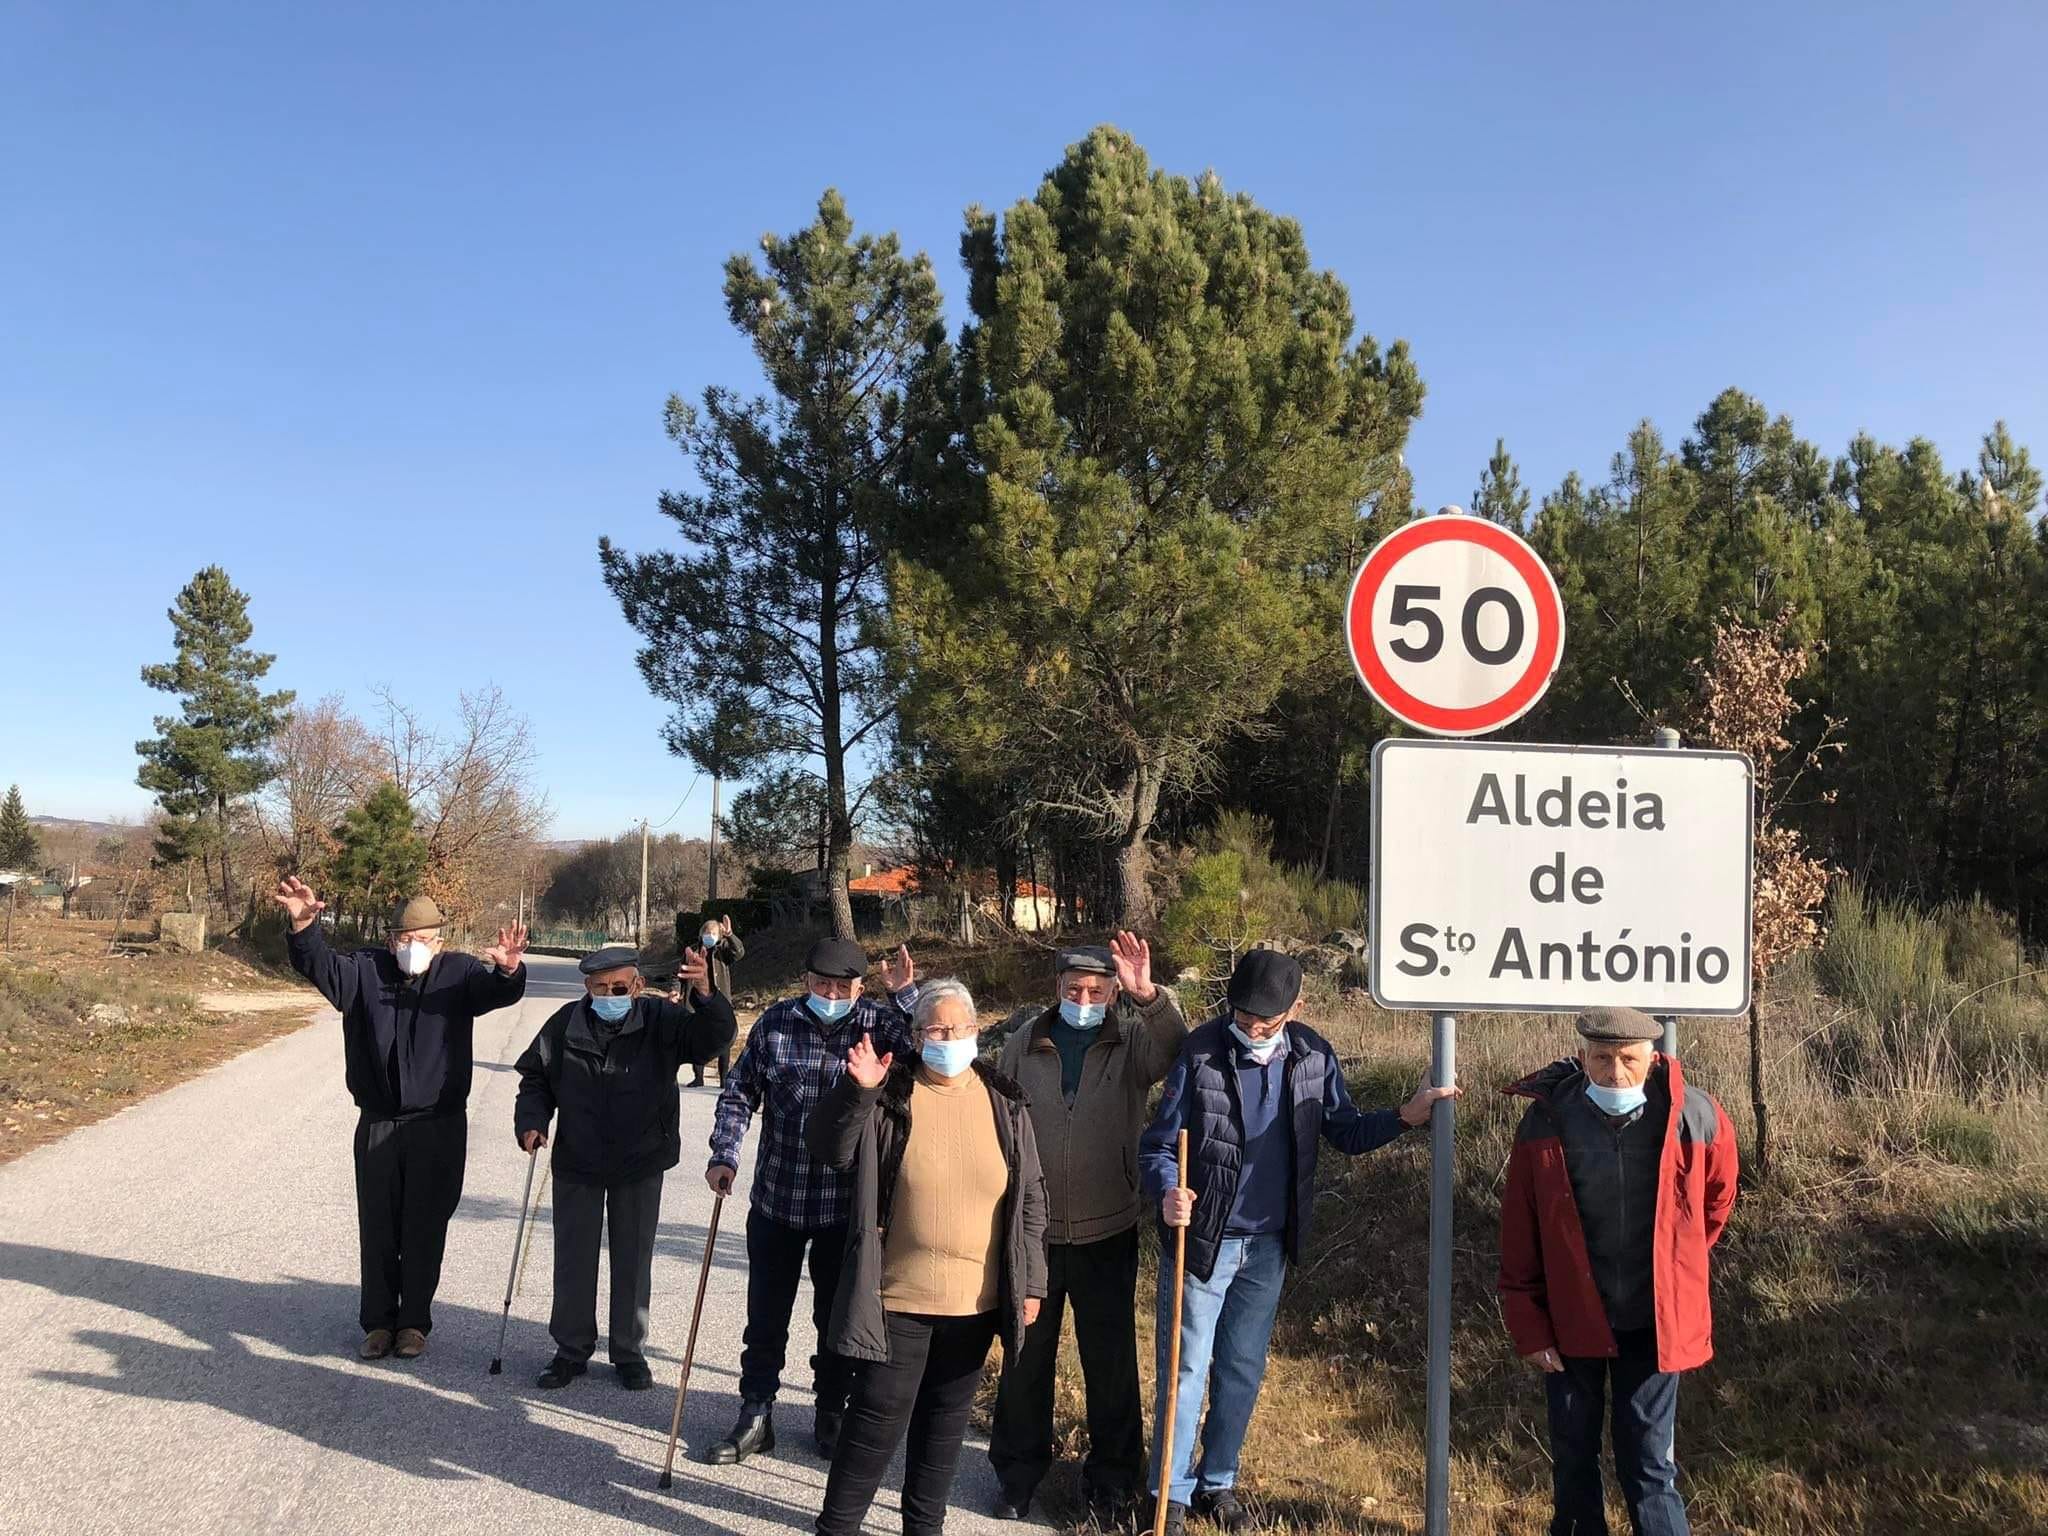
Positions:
(1100, 1281)
(927, 1386)
(408, 1183)
(775, 1267)
(724, 1066)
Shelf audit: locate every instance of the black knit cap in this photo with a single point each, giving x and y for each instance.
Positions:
(1265, 983)
(837, 957)
(1089, 959)
(611, 958)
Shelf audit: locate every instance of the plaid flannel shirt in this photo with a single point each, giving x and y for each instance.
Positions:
(791, 1060)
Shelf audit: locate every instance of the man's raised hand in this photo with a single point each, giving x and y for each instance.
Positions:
(510, 950)
(691, 968)
(899, 970)
(864, 1066)
(1133, 957)
(300, 905)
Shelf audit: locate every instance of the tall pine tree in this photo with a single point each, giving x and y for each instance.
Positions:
(1501, 496)
(1164, 433)
(379, 858)
(776, 598)
(20, 846)
(215, 751)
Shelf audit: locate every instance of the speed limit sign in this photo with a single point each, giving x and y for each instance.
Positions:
(1454, 625)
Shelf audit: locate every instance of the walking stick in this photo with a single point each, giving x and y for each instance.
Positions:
(675, 1423)
(1180, 1278)
(518, 1238)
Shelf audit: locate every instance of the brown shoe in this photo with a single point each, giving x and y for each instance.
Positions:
(411, 1344)
(376, 1344)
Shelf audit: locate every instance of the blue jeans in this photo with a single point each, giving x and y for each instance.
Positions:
(1226, 1322)
(1645, 1428)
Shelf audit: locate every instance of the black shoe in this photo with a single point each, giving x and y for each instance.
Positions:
(1011, 1504)
(1220, 1508)
(634, 1375)
(560, 1373)
(697, 1081)
(752, 1432)
(1176, 1518)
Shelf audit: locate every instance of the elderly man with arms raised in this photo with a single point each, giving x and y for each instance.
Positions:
(408, 1018)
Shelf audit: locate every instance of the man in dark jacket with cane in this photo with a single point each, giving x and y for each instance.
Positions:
(603, 1068)
(1257, 1091)
(408, 1019)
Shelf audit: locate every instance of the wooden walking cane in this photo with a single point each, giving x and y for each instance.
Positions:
(675, 1423)
(1180, 1277)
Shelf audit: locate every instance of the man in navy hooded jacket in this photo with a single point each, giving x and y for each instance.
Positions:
(1257, 1091)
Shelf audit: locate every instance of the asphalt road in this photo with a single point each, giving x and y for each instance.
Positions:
(178, 1326)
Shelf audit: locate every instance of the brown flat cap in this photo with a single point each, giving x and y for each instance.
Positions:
(420, 912)
(1619, 1026)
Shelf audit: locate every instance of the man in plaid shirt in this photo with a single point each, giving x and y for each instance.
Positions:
(795, 1052)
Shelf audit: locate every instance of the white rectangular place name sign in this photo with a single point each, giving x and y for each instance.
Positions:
(1549, 879)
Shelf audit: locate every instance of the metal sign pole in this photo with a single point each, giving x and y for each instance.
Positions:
(1443, 1073)
(1668, 740)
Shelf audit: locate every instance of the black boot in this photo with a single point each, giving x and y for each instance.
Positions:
(560, 1373)
(753, 1431)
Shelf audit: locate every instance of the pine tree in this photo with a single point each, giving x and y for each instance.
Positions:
(1164, 432)
(214, 753)
(779, 602)
(378, 858)
(21, 848)
(1501, 497)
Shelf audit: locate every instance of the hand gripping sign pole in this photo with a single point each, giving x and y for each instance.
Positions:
(1456, 628)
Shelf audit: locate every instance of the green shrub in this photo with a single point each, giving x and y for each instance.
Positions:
(1961, 1135)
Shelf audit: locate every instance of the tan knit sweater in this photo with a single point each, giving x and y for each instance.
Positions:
(942, 1254)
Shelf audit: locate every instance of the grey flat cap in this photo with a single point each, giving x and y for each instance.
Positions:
(614, 957)
(837, 957)
(1618, 1026)
(1089, 959)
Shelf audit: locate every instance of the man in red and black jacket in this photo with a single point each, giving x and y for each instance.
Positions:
(1621, 1180)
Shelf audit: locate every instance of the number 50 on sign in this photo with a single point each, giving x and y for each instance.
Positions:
(1454, 625)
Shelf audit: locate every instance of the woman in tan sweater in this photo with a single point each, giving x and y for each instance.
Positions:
(945, 1251)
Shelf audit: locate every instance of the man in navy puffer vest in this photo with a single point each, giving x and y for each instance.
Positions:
(1255, 1090)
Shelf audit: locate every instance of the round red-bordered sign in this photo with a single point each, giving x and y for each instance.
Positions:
(1460, 659)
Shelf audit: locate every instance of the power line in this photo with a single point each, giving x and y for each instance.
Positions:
(672, 815)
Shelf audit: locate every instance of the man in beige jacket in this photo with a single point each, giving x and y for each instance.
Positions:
(1088, 1066)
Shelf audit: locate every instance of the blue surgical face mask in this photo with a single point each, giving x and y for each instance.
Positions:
(831, 1009)
(949, 1058)
(709, 938)
(611, 1009)
(1261, 1050)
(1083, 1015)
(1618, 1101)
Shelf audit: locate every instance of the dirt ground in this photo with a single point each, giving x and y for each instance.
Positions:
(84, 1033)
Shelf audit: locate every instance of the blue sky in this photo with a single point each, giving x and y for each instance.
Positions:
(378, 305)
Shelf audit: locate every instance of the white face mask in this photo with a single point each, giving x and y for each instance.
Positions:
(413, 957)
(1261, 1050)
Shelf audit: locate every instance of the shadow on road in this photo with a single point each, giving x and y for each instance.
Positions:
(273, 1353)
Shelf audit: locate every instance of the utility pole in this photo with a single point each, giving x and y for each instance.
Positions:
(641, 938)
(711, 887)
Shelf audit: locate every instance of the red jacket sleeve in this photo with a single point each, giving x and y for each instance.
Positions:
(1723, 1166)
(1524, 1298)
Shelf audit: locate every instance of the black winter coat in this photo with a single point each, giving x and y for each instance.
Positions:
(426, 1023)
(865, 1129)
(615, 1100)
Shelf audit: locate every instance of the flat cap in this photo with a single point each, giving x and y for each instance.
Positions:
(420, 912)
(1618, 1026)
(613, 957)
(836, 957)
(1089, 959)
(1265, 983)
